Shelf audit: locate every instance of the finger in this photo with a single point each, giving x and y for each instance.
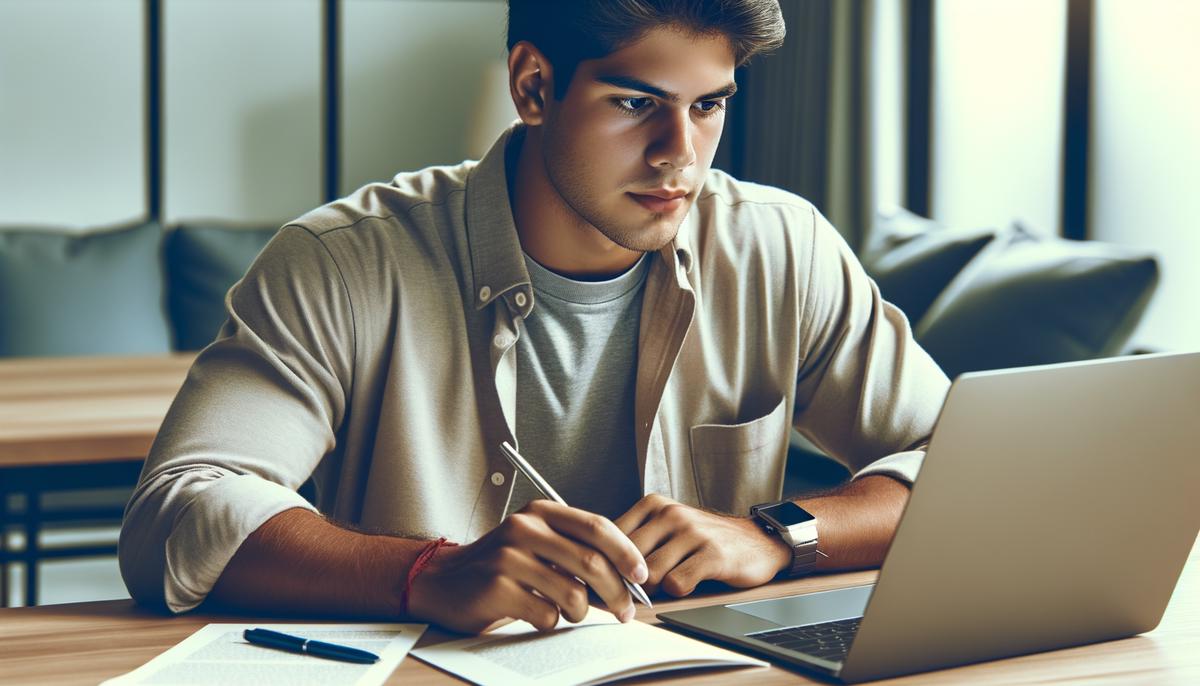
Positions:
(641, 511)
(597, 532)
(682, 580)
(530, 530)
(590, 566)
(519, 603)
(652, 534)
(503, 621)
(563, 590)
(667, 557)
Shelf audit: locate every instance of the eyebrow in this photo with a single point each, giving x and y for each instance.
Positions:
(631, 83)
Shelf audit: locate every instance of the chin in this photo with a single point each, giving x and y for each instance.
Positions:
(648, 237)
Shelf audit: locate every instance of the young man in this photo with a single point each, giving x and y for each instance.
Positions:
(648, 328)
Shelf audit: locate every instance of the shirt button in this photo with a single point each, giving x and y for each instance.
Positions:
(485, 293)
(497, 478)
(501, 340)
(521, 299)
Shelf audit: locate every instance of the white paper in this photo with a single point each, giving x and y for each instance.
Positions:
(597, 650)
(217, 654)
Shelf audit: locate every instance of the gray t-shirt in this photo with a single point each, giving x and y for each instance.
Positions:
(576, 374)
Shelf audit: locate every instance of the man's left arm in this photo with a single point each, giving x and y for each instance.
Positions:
(684, 545)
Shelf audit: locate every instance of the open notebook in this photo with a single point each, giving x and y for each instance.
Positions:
(597, 650)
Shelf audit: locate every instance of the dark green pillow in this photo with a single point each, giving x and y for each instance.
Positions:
(203, 262)
(912, 258)
(82, 293)
(1030, 300)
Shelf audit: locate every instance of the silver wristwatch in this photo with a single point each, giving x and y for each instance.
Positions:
(798, 529)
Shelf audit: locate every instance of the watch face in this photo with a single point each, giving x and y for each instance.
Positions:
(789, 514)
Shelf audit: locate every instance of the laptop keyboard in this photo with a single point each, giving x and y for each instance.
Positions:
(828, 641)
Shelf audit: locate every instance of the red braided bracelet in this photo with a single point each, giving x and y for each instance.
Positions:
(419, 566)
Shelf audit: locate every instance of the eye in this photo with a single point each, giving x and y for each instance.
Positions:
(631, 106)
(709, 108)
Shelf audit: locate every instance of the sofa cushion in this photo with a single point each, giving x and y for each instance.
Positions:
(91, 293)
(203, 262)
(1029, 299)
(912, 258)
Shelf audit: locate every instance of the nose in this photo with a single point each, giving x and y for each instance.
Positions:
(672, 146)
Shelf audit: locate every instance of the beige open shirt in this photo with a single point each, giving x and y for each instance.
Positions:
(371, 346)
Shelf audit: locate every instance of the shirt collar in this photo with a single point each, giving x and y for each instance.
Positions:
(497, 263)
(679, 250)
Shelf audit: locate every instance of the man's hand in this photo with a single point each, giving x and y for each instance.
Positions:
(684, 546)
(526, 568)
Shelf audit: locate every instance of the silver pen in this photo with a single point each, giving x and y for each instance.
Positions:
(547, 490)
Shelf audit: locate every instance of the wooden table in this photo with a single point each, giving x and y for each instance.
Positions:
(72, 423)
(84, 643)
(74, 410)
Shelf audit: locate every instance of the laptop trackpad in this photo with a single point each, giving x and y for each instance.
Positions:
(811, 608)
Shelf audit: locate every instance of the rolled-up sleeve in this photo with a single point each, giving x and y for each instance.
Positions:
(867, 394)
(260, 408)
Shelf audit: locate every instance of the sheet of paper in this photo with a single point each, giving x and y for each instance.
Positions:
(597, 650)
(217, 654)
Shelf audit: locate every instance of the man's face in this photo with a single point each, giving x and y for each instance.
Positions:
(640, 122)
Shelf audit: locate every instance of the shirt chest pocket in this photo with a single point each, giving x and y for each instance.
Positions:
(739, 465)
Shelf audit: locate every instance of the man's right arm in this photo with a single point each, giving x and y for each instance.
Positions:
(530, 567)
(258, 411)
(301, 562)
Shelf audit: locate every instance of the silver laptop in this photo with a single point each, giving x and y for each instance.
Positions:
(1057, 506)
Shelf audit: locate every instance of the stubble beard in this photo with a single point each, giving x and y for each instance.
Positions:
(647, 236)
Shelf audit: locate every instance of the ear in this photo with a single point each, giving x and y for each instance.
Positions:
(530, 81)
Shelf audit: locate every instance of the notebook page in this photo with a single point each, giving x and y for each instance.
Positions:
(596, 650)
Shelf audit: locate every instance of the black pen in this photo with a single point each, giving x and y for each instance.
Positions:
(296, 644)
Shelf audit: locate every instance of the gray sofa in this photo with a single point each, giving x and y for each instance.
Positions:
(124, 290)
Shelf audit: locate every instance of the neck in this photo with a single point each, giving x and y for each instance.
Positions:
(550, 231)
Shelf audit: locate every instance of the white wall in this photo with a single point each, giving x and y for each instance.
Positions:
(242, 109)
(413, 76)
(242, 116)
(887, 102)
(997, 111)
(72, 119)
(1145, 154)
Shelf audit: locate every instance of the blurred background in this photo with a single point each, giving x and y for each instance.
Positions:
(1018, 175)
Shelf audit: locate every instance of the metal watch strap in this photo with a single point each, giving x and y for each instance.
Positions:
(804, 558)
(804, 551)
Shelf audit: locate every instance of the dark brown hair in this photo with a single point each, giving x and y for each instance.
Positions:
(568, 32)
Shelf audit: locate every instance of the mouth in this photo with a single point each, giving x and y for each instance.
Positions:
(661, 200)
